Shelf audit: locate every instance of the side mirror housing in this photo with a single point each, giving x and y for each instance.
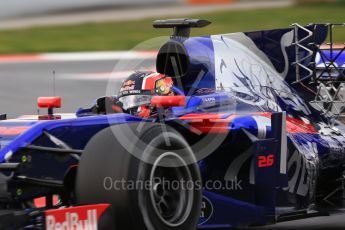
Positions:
(49, 102)
(168, 101)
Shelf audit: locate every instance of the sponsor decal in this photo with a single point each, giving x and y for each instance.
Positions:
(129, 82)
(203, 91)
(128, 85)
(75, 218)
(127, 88)
(164, 86)
(206, 210)
(209, 100)
(303, 174)
(131, 92)
(73, 221)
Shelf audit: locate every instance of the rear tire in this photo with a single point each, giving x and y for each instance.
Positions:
(134, 179)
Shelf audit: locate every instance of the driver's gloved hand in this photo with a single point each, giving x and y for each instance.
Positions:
(107, 105)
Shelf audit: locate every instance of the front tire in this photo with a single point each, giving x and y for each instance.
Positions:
(152, 182)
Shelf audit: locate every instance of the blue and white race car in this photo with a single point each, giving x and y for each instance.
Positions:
(233, 130)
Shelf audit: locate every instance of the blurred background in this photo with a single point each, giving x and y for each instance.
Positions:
(33, 26)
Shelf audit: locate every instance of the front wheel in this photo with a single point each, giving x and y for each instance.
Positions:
(150, 177)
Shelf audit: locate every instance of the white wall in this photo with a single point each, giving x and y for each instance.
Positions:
(15, 8)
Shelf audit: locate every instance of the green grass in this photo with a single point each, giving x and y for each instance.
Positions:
(126, 35)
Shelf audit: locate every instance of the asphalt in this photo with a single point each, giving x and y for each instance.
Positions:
(79, 83)
(332, 222)
(22, 83)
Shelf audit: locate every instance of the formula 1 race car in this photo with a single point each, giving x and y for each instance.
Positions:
(233, 130)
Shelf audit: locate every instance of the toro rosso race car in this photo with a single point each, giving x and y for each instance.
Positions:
(233, 130)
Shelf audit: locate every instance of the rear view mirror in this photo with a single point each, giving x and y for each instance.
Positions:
(49, 102)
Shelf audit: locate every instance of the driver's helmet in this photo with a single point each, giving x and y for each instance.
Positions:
(137, 90)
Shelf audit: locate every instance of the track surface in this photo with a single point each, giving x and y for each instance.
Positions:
(22, 83)
(79, 83)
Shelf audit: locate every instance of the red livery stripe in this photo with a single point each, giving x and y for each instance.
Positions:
(13, 131)
(219, 123)
(293, 125)
(209, 123)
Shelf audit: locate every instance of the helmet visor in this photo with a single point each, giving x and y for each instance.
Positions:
(132, 101)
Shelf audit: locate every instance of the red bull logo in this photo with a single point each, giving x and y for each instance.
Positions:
(129, 82)
(73, 221)
(128, 85)
(75, 218)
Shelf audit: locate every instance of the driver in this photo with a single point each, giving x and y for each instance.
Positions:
(137, 90)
